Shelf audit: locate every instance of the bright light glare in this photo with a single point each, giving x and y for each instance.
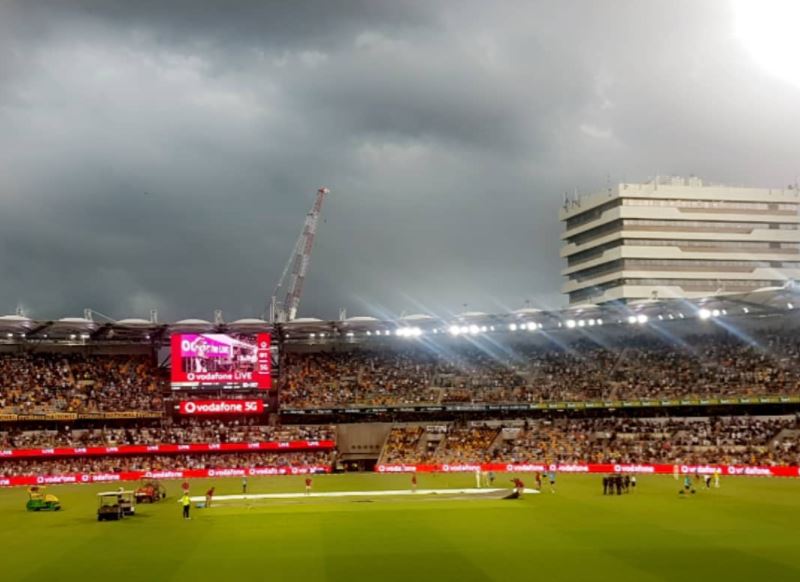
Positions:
(641, 318)
(704, 314)
(768, 30)
(512, 327)
(570, 323)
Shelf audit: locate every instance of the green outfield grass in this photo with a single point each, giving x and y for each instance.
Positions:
(747, 530)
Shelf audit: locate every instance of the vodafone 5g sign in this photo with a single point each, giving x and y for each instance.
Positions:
(205, 407)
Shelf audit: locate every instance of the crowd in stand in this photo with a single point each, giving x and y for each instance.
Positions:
(713, 365)
(718, 365)
(46, 382)
(728, 440)
(186, 432)
(23, 467)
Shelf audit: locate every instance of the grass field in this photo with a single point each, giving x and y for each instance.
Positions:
(747, 530)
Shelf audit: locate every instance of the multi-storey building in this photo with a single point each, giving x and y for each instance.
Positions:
(678, 237)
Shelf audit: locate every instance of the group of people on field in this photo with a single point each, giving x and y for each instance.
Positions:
(618, 483)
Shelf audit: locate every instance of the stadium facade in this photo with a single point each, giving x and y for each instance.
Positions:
(678, 238)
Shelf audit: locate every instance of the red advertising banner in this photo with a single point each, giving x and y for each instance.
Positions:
(207, 407)
(166, 448)
(727, 470)
(76, 478)
(216, 360)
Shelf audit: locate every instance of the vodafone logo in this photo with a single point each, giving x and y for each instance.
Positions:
(198, 407)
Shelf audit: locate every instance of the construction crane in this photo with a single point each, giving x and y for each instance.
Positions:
(298, 263)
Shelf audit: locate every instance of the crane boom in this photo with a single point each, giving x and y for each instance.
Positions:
(298, 262)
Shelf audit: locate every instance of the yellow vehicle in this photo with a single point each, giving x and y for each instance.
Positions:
(38, 500)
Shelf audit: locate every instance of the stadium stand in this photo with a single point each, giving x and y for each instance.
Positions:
(45, 382)
(24, 467)
(722, 440)
(719, 364)
(194, 431)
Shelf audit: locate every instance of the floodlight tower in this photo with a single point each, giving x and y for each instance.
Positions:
(298, 262)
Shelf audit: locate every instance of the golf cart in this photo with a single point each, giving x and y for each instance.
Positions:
(38, 500)
(114, 505)
(150, 492)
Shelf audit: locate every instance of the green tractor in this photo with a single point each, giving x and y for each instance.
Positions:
(38, 500)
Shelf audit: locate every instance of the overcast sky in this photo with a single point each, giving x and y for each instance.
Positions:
(159, 154)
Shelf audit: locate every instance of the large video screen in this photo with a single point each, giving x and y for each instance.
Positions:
(220, 361)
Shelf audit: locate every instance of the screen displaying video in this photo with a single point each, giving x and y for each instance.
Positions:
(220, 361)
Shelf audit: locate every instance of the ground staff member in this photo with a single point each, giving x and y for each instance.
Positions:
(187, 504)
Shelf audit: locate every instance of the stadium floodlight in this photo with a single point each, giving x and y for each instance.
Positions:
(312, 335)
(474, 329)
(9, 335)
(703, 313)
(715, 313)
(581, 323)
(454, 330)
(369, 333)
(512, 326)
(491, 328)
(484, 329)
(464, 329)
(591, 322)
(599, 321)
(631, 319)
(72, 336)
(641, 318)
(571, 323)
(790, 305)
(322, 335)
(532, 326)
(350, 334)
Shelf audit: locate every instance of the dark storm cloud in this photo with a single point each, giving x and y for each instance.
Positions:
(163, 154)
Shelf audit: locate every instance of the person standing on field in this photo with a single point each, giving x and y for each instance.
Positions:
(244, 485)
(209, 495)
(414, 482)
(478, 477)
(716, 478)
(186, 502)
(308, 485)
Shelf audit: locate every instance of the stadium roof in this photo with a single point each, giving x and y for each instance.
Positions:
(766, 301)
